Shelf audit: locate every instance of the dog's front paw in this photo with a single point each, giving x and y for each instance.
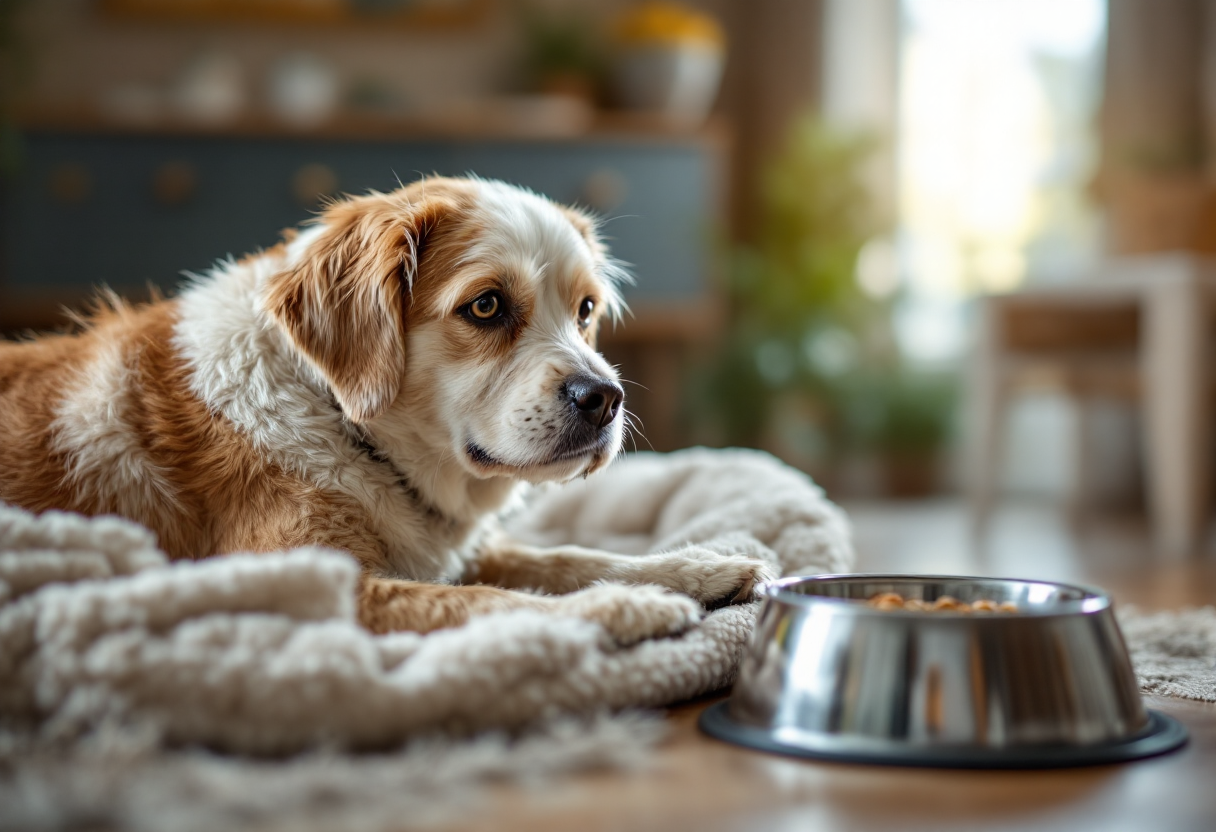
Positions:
(631, 614)
(714, 579)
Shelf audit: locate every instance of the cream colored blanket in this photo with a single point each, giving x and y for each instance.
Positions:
(115, 666)
(261, 653)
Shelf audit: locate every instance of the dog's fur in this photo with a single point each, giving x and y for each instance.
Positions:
(338, 389)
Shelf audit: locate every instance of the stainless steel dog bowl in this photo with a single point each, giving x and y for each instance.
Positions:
(828, 676)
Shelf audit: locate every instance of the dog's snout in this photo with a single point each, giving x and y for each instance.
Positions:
(597, 400)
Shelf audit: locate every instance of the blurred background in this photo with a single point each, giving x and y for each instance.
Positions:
(913, 247)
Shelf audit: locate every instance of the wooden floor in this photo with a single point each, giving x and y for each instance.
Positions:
(697, 783)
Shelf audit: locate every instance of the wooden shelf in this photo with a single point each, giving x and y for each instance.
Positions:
(606, 126)
(293, 13)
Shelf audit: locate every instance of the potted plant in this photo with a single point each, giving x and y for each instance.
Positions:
(561, 53)
(810, 367)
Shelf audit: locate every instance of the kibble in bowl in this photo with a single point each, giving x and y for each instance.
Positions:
(943, 603)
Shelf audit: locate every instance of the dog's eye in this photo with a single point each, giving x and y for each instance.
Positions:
(584, 312)
(487, 307)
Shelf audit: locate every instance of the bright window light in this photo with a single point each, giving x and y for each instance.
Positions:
(996, 126)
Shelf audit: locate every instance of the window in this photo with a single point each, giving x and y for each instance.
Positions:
(996, 142)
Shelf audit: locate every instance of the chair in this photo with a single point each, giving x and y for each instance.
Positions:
(1140, 329)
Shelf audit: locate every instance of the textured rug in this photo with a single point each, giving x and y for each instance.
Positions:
(1174, 652)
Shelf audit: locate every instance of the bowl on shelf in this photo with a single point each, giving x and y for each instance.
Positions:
(829, 676)
(677, 82)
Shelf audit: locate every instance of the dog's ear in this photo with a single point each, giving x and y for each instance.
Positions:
(343, 303)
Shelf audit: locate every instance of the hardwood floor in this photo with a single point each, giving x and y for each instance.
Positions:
(1029, 540)
(697, 783)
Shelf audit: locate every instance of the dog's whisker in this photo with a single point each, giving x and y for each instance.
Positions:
(634, 427)
(634, 419)
(633, 440)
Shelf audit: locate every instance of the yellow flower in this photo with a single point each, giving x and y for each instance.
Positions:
(669, 23)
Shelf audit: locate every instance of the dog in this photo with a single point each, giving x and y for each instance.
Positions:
(383, 381)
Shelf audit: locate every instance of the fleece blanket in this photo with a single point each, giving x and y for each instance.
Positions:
(238, 692)
(260, 654)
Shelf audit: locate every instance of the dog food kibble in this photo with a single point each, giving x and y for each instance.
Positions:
(887, 601)
(946, 603)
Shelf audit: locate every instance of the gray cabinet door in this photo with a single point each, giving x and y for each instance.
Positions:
(127, 212)
(660, 223)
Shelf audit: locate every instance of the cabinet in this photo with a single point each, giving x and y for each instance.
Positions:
(130, 211)
(133, 211)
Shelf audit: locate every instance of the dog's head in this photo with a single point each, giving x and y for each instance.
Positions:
(457, 319)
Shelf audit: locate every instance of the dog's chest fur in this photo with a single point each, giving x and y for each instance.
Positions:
(195, 418)
(243, 368)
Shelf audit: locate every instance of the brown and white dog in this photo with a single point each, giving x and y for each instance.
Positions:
(382, 383)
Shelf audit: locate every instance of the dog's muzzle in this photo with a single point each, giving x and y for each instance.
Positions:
(597, 401)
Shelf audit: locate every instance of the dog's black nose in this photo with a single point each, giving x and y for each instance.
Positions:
(597, 400)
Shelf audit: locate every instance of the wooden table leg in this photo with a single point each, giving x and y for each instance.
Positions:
(1176, 407)
(987, 407)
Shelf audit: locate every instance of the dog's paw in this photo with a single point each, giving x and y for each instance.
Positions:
(714, 579)
(630, 614)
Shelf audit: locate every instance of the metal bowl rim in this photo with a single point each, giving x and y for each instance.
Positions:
(1096, 600)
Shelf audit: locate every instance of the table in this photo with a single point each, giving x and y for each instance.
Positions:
(1168, 368)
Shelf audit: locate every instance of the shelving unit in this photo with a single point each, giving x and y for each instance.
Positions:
(135, 206)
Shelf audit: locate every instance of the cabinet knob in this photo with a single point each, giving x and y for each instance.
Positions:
(71, 183)
(312, 182)
(174, 183)
(605, 190)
